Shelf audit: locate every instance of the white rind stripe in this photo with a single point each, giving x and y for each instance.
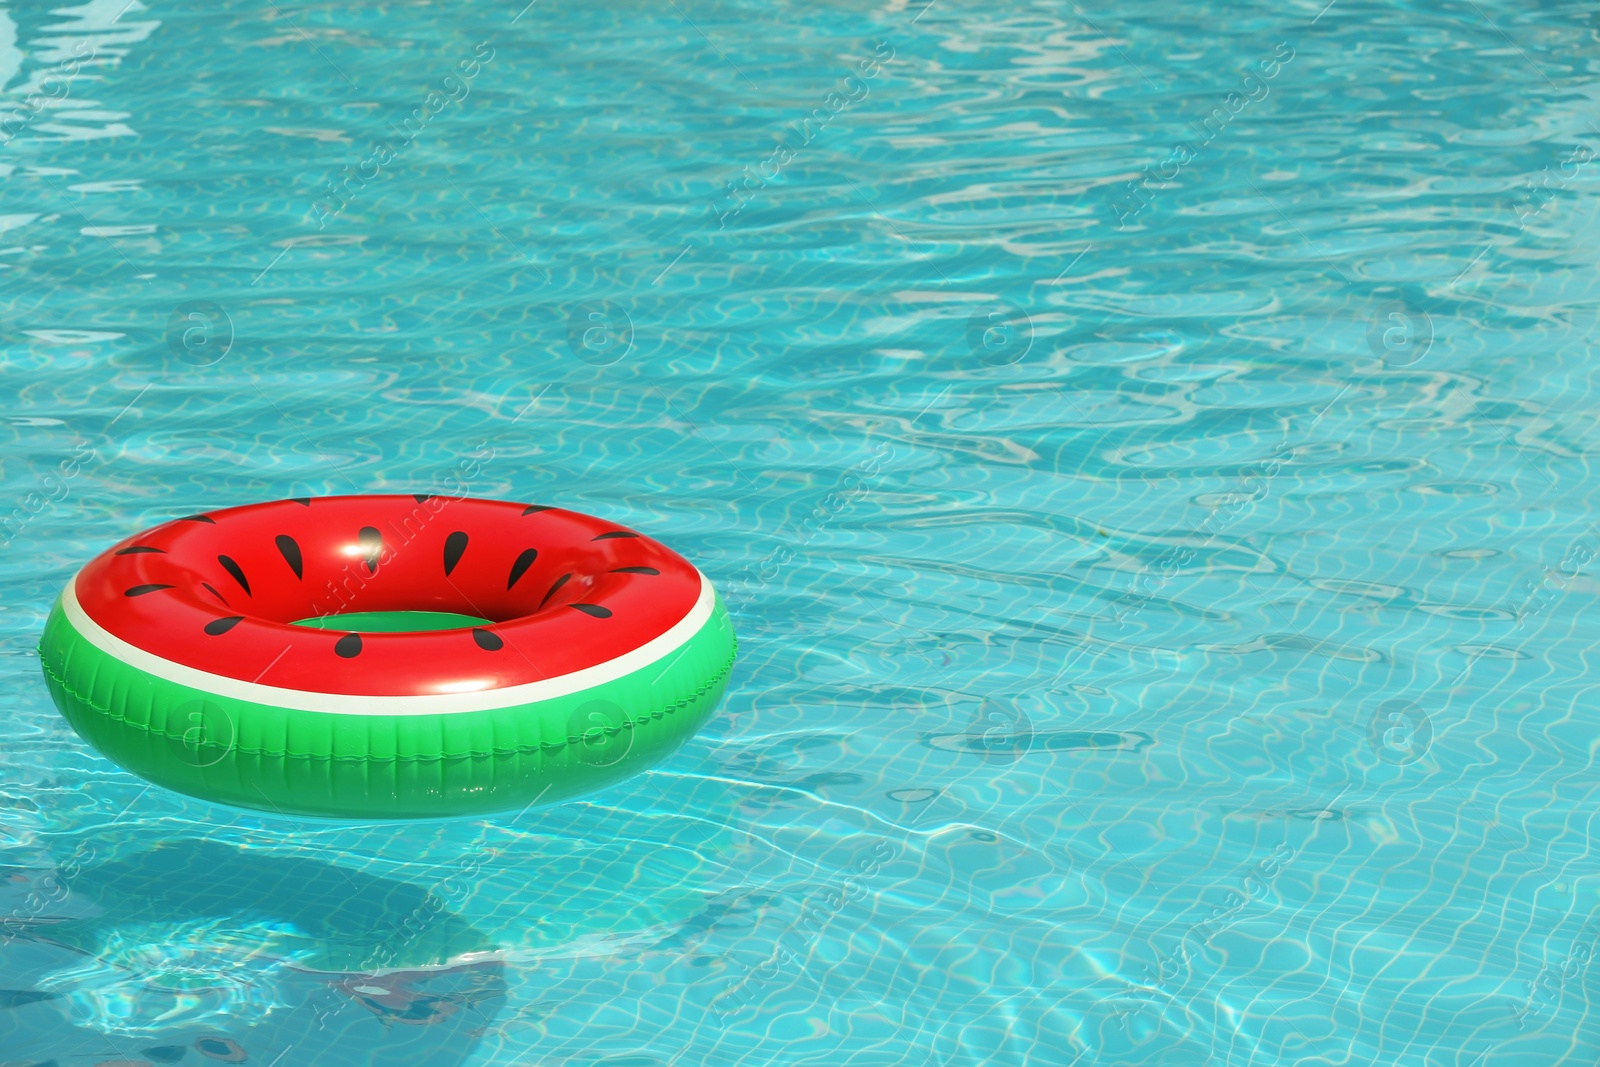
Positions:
(652, 651)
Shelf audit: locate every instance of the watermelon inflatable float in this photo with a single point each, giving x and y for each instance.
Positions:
(387, 656)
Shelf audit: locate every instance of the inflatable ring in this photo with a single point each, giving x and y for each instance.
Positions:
(387, 656)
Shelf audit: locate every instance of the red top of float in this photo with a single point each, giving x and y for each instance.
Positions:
(217, 592)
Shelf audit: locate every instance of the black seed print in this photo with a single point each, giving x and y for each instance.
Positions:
(207, 587)
(371, 547)
(520, 566)
(422, 498)
(533, 509)
(454, 546)
(561, 581)
(218, 627)
(238, 575)
(136, 549)
(635, 570)
(593, 609)
(304, 500)
(348, 646)
(489, 642)
(290, 551)
(141, 590)
(198, 518)
(613, 534)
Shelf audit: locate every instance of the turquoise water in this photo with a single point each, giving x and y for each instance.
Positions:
(1147, 449)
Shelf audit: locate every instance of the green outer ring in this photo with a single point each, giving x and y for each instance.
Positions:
(297, 762)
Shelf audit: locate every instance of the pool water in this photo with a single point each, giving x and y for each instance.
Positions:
(1146, 448)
